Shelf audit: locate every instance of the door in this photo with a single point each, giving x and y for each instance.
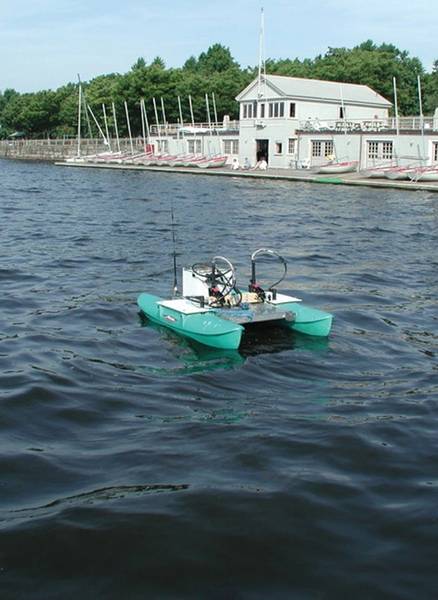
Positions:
(262, 150)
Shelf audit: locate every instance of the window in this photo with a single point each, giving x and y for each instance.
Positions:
(194, 146)
(292, 146)
(163, 146)
(249, 110)
(386, 149)
(373, 149)
(380, 150)
(292, 110)
(329, 148)
(435, 152)
(231, 146)
(278, 148)
(341, 112)
(316, 148)
(322, 148)
(276, 109)
(262, 111)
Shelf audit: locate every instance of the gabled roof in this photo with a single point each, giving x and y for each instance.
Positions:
(273, 86)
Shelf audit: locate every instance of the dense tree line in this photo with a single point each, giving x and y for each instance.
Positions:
(54, 113)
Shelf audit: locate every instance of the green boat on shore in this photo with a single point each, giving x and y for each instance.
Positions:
(213, 311)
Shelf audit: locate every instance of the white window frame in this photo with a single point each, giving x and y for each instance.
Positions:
(380, 149)
(321, 148)
(434, 151)
(292, 146)
(231, 146)
(194, 146)
(162, 146)
(276, 110)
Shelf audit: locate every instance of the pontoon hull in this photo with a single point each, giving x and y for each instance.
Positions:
(204, 327)
(209, 328)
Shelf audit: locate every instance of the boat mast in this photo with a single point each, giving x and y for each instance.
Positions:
(105, 141)
(262, 61)
(420, 102)
(158, 124)
(106, 127)
(214, 108)
(146, 121)
(164, 115)
(193, 123)
(116, 127)
(341, 92)
(79, 116)
(143, 129)
(129, 127)
(181, 133)
(397, 124)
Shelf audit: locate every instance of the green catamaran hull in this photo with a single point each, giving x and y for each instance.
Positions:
(208, 328)
(204, 327)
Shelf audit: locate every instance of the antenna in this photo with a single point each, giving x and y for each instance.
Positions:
(175, 280)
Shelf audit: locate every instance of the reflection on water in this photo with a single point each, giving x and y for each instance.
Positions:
(258, 339)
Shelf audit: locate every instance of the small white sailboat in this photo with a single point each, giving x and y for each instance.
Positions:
(398, 173)
(424, 173)
(334, 168)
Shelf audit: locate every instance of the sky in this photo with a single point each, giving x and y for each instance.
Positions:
(45, 43)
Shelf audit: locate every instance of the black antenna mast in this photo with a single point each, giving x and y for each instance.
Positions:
(175, 280)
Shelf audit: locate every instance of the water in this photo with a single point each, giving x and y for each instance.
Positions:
(134, 464)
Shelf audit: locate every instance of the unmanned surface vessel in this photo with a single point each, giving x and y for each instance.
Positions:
(213, 311)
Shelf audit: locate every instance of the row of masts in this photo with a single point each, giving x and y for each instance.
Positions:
(84, 108)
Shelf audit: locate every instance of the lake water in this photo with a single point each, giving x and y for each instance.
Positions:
(134, 464)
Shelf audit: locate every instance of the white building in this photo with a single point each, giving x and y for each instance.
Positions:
(273, 109)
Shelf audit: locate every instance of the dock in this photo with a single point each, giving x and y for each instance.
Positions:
(301, 175)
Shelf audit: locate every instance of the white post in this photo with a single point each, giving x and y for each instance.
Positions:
(116, 127)
(106, 127)
(129, 127)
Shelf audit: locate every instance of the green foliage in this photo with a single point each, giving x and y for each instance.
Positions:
(366, 64)
(215, 71)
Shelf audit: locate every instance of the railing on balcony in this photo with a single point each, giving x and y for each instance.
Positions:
(407, 124)
(176, 129)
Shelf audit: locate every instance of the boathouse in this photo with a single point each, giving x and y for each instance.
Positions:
(274, 109)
